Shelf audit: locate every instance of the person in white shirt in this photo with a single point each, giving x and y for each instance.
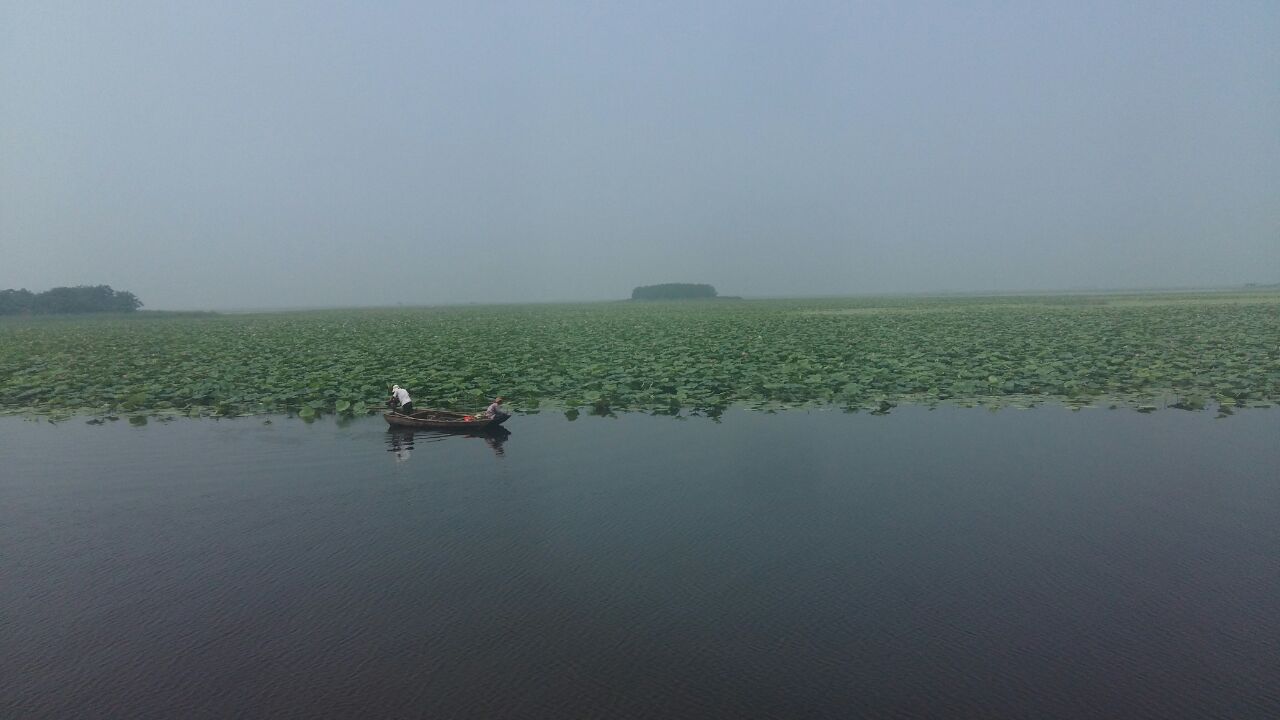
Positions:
(402, 397)
(495, 409)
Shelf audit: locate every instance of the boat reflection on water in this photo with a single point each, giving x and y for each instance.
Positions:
(401, 440)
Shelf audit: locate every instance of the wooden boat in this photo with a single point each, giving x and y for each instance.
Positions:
(444, 420)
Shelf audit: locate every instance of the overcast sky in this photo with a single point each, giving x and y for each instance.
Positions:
(249, 154)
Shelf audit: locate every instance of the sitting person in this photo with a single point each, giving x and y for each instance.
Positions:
(400, 396)
(495, 410)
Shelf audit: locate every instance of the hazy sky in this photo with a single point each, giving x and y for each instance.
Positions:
(249, 154)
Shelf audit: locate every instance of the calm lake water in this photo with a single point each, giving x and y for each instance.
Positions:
(948, 563)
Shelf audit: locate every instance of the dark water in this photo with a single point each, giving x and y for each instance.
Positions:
(948, 563)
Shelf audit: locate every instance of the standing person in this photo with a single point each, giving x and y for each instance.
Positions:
(402, 397)
(495, 409)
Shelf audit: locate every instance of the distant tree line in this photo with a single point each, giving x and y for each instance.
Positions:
(673, 291)
(67, 301)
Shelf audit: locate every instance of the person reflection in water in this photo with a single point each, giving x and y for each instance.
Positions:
(495, 438)
(401, 445)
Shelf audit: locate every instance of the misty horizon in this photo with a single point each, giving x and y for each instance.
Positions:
(303, 156)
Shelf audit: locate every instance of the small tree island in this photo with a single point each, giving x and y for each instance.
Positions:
(68, 300)
(674, 291)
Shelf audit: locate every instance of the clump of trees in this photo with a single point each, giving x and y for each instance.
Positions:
(673, 291)
(68, 300)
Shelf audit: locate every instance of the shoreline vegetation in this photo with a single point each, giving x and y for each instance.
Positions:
(1192, 351)
(674, 291)
(78, 300)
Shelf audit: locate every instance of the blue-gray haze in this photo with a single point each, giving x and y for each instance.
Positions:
(286, 154)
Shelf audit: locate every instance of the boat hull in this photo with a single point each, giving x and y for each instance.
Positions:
(442, 420)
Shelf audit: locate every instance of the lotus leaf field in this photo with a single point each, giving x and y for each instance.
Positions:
(1186, 351)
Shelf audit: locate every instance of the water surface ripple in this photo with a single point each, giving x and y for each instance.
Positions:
(949, 563)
